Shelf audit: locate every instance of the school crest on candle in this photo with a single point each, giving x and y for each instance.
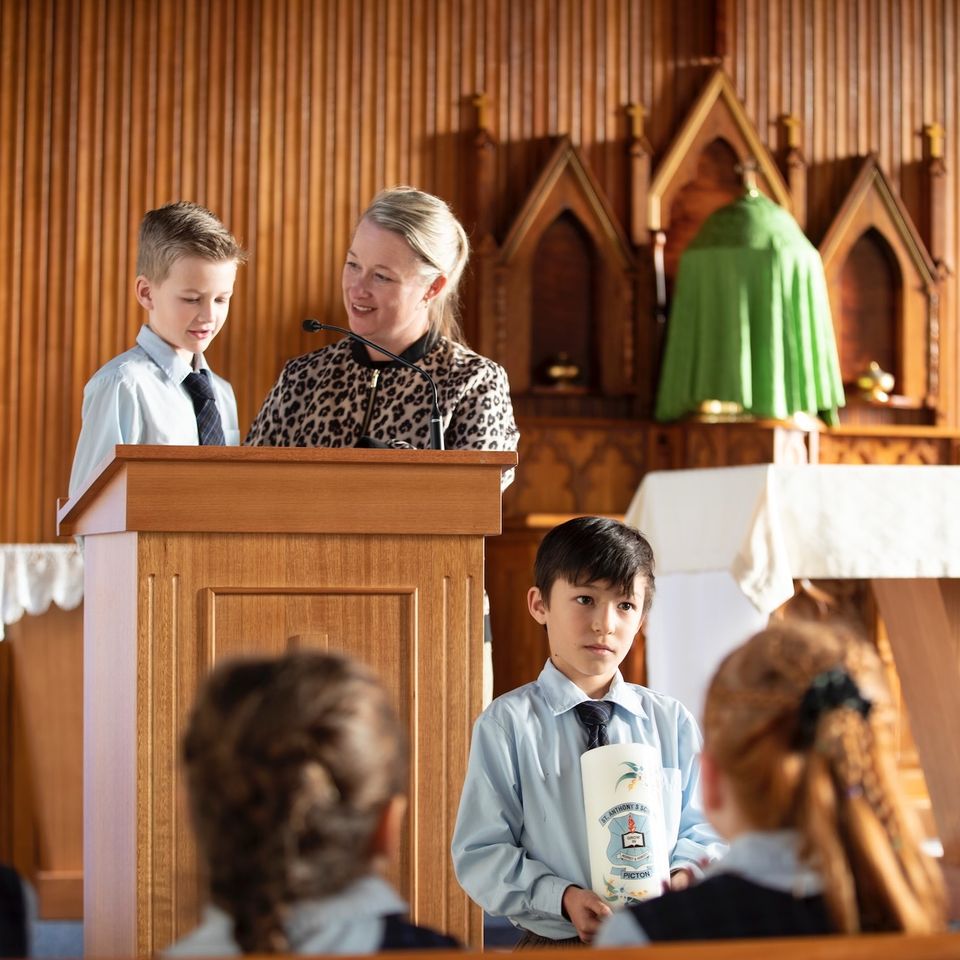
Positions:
(627, 852)
(623, 804)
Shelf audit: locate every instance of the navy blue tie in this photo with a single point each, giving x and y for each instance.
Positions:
(209, 427)
(595, 715)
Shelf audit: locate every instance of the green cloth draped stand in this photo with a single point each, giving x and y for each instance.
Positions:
(750, 320)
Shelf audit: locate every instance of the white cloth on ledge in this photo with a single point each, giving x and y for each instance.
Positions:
(768, 525)
(34, 575)
(730, 541)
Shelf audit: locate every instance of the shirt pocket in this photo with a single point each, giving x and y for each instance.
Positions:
(672, 804)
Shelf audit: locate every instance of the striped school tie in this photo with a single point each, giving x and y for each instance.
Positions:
(595, 715)
(209, 427)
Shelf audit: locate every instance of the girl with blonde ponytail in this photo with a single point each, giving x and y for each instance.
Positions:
(798, 773)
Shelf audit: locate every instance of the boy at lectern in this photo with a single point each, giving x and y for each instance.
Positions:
(162, 390)
(521, 845)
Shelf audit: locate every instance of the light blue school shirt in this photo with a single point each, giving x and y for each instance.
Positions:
(768, 858)
(349, 921)
(139, 397)
(520, 838)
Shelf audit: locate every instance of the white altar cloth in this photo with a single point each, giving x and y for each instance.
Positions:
(34, 575)
(730, 541)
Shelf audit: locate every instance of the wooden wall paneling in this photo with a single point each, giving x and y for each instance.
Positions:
(41, 790)
(284, 118)
(17, 26)
(241, 348)
(266, 229)
(222, 101)
(57, 449)
(10, 64)
(36, 279)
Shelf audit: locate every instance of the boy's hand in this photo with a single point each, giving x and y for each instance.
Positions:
(681, 879)
(584, 909)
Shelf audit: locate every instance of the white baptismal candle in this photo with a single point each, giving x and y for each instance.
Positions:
(623, 803)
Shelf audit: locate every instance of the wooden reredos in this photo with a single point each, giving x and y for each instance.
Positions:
(561, 287)
(698, 173)
(884, 291)
(568, 290)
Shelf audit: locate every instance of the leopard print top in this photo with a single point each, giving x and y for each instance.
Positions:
(333, 396)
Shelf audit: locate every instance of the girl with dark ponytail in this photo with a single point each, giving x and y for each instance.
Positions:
(798, 772)
(296, 770)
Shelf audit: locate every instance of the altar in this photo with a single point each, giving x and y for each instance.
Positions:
(730, 542)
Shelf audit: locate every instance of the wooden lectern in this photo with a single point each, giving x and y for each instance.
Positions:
(193, 554)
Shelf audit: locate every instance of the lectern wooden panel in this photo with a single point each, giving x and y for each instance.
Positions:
(193, 555)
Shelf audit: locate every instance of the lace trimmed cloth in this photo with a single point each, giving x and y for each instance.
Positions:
(34, 575)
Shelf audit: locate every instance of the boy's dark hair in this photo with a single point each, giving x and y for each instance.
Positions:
(182, 229)
(588, 549)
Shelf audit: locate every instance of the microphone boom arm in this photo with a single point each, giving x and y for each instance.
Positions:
(436, 421)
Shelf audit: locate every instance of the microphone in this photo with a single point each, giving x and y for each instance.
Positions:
(436, 421)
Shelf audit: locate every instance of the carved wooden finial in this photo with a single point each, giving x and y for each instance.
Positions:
(934, 133)
(482, 102)
(747, 169)
(636, 113)
(791, 125)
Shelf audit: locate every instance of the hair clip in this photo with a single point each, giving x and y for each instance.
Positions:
(830, 690)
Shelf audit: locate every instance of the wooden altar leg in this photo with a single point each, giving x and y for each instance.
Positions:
(923, 623)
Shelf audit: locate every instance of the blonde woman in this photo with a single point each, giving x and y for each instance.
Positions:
(400, 281)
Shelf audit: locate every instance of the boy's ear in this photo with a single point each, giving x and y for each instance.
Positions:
(385, 841)
(144, 291)
(536, 605)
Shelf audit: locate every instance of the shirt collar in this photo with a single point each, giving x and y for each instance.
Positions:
(769, 858)
(416, 351)
(166, 358)
(562, 694)
(370, 896)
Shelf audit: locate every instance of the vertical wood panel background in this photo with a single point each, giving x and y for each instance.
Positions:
(285, 116)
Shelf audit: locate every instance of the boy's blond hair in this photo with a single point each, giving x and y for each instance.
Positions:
(183, 229)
